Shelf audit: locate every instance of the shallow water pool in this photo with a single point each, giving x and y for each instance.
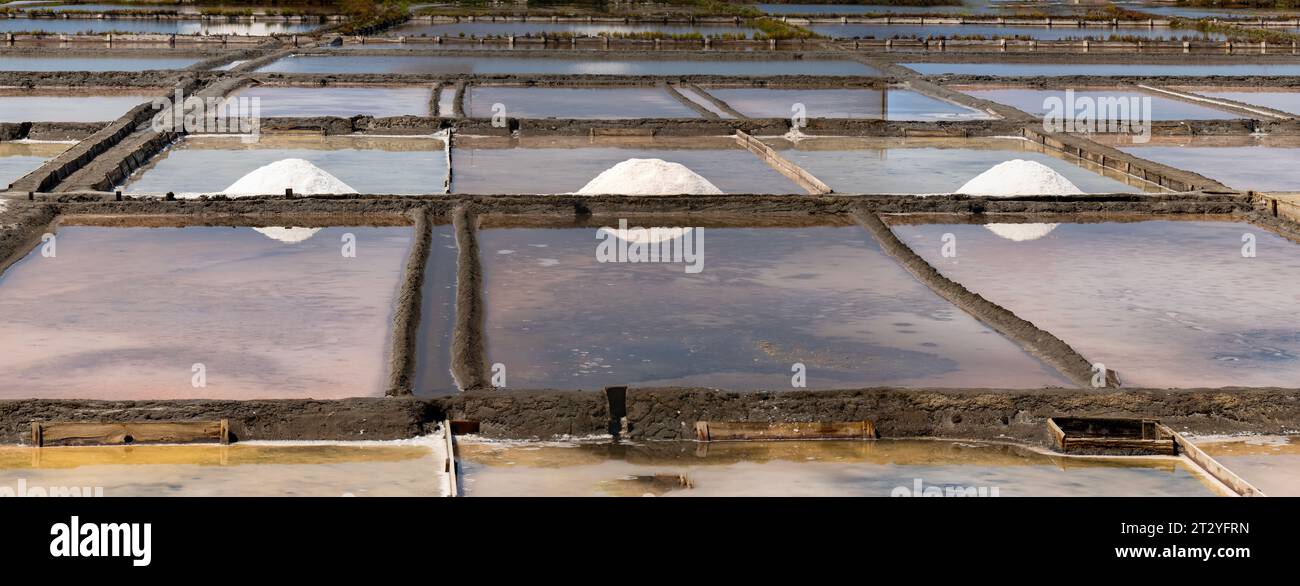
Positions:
(207, 164)
(879, 468)
(139, 313)
(888, 104)
(1163, 303)
(565, 165)
(341, 101)
(589, 103)
(762, 300)
(550, 65)
(931, 166)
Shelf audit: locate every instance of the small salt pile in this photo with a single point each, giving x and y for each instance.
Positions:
(299, 175)
(649, 177)
(1020, 177)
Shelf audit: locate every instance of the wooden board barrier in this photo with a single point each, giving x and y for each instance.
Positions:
(714, 431)
(73, 433)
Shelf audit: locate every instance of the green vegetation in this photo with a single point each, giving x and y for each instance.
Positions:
(1236, 33)
(369, 16)
(771, 28)
(1256, 4)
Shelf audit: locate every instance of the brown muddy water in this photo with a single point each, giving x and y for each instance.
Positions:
(20, 158)
(763, 300)
(810, 468)
(141, 313)
(934, 166)
(566, 164)
(1270, 463)
(1164, 303)
(210, 164)
(408, 468)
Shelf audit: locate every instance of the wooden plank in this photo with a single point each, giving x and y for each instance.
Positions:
(69, 433)
(1212, 466)
(799, 175)
(713, 431)
(1058, 436)
(453, 490)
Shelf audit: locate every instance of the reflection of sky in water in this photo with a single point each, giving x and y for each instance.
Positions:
(842, 103)
(1033, 102)
(340, 101)
(1050, 69)
(487, 65)
(208, 170)
(124, 313)
(1166, 304)
(929, 170)
(94, 63)
(830, 468)
(767, 298)
(889, 31)
(599, 103)
(68, 108)
(14, 167)
(1278, 100)
(144, 26)
(482, 29)
(1260, 167)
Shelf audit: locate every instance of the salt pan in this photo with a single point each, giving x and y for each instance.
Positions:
(649, 177)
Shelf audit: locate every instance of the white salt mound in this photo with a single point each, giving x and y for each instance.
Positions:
(649, 177)
(1019, 177)
(299, 175)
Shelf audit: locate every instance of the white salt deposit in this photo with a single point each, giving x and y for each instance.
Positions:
(1020, 177)
(649, 177)
(299, 175)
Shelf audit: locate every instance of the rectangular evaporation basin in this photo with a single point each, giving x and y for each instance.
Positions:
(1277, 99)
(1036, 102)
(343, 101)
(933, 166)
(1163, 303)
(360, 63)
(813, 468)
(94, 63)
(565, 165)
(72, 26)
(579, 29)
(884, 104)
(201, 312)
(268, 469)
(381, 165)
(89, 105)
(1138, 69)
(592, 103)
(969, 6)
(20, 158)
(762, 300)
(437, 316)
(1240, 162)
(992, 31)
